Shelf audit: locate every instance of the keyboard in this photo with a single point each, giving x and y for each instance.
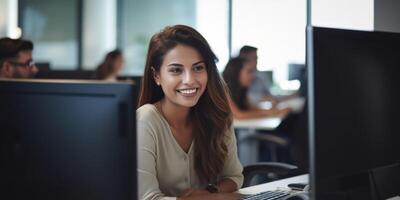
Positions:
(268, 195)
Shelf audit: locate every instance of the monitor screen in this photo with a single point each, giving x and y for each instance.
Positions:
(67, 140)
(65, 74)
(296, 71)
(137, 80)
(268, 77)
(43, 66)
(354, 109)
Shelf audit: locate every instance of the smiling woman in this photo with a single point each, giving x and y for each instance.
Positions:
(182, 76)
(186, 143)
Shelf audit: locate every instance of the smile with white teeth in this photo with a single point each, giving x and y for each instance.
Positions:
(188, 91)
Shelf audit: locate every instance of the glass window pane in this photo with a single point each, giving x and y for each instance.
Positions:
(141, 19)
(52, 26)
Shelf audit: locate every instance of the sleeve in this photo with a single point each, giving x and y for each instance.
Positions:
(232, 168)
(147, 172)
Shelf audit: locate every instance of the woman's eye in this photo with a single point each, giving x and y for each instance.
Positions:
(199, 68)
(175, 70)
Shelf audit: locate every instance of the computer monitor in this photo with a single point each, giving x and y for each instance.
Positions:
(296, 71)
(67, 140)
(268, 77)
(43, 66)
(354, 110)
(137, 80)
(66, 74)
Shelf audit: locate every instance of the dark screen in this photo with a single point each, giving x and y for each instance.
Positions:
(296, 71)
(66, 74)
(356, 109)
(67, 140)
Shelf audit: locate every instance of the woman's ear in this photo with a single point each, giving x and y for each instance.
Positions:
(156, 76)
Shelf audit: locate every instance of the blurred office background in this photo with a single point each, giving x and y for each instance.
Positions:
(76, 34)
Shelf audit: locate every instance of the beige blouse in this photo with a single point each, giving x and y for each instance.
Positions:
(164, 169)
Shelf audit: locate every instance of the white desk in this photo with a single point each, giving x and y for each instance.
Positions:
(296, 104)
(268, 124)
(274, 185)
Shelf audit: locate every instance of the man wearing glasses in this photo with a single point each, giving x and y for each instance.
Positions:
(16, 58)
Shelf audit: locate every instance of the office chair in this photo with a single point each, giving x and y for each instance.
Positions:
(276, 169)
(273, 141)
(291, 135)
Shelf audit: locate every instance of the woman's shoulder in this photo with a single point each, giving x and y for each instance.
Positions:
(149, 123)
(147, 112)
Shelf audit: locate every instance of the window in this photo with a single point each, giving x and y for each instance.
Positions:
(53, 28)
(141, 19)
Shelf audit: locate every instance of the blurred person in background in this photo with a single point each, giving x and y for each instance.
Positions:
(16, 58)
(111, 66)
(259, 90)
(239, 74)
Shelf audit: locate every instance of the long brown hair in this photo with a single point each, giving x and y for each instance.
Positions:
(107, 66)
(231, 76)
(211, 116)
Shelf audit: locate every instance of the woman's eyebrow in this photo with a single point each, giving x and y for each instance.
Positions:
(180, 65)
(175, 64)
(199, 62)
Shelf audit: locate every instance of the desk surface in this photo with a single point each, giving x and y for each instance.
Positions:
(260, 124)
(270, 123)
(274, 185)
(296, 104)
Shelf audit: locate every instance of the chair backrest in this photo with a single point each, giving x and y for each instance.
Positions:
(279, 171)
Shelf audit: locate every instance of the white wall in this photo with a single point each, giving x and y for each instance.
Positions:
(380, 15)
(99, 31)
(346, 14)
(9, 19)
(212, 23)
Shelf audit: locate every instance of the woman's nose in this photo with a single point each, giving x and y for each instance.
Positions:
(188, 77)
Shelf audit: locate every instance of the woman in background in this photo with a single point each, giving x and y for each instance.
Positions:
(186, 143)
(111, 66)
(238, 75)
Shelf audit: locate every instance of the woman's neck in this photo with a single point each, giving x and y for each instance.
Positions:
(177, 116)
